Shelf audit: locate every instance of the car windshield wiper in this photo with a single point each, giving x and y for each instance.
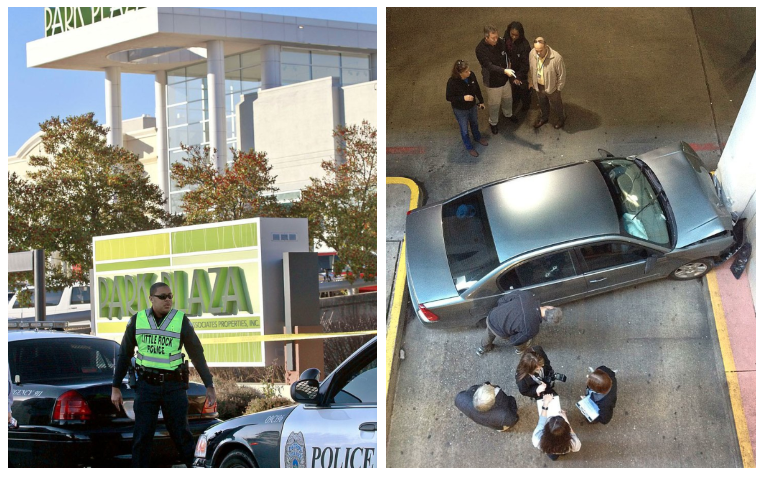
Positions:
(647, 205)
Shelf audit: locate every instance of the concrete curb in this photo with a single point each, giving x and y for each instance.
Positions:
(397, 309)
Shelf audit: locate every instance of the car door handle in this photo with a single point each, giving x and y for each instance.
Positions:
(368, 427)
(599, 280)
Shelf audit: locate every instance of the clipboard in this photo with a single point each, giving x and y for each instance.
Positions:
(588, 408)
(554, 407)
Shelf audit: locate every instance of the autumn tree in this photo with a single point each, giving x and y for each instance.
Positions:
(341, 206)
(244, 190)
(80, 188)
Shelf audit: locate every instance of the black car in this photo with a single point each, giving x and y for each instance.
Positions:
(333, 424)
(62, 402)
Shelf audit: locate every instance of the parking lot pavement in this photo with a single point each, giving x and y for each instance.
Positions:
(674, 408)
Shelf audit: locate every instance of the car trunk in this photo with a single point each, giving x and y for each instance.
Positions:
(427, 262)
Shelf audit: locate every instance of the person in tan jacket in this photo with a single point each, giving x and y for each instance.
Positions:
(548, 77)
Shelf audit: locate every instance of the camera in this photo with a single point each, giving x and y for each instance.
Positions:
(559, 377)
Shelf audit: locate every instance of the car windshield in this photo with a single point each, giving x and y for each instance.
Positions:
(638, 207)
(62, 360)
(468, 239)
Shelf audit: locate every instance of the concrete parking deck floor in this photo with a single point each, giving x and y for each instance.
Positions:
(679, 405)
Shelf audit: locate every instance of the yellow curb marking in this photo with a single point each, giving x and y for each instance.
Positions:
(743, 435)
(301, 336)
(397, 298)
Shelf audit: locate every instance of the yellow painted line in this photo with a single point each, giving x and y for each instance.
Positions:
(301, 336)
(397, 298)
(743, 435)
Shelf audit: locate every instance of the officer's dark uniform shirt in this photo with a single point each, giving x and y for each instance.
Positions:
(188, 339)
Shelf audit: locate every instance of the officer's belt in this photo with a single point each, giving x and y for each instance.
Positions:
(156, 376)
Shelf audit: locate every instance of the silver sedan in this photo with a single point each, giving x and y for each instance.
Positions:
(568, 233)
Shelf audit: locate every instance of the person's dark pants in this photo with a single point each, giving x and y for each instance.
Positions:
(521, 93)
(550, 101)
(171, 397)
(487, 342)
(468, 118)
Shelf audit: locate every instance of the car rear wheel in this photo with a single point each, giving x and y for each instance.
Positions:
(237, 459)
(691, 270)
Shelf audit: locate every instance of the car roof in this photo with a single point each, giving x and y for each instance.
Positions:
(538, 210)
(47, 334)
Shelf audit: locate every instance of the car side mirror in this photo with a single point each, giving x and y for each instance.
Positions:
(650, 263)
(305, 391)
(311, 373)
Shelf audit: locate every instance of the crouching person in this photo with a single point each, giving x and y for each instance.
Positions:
(489, 406)
(602, 387)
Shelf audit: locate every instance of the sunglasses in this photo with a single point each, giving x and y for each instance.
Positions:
(164, 297)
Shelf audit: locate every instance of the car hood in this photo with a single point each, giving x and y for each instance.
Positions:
(271, 416)
(697, 209)
(426, 259)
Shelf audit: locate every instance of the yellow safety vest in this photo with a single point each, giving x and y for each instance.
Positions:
(159, 347)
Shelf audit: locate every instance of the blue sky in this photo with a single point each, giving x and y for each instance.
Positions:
(36, 94)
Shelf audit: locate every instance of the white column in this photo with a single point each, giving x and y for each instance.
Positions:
(114, 106)
(736, 171)
(216, 88)
(271, 66)
(162, 155)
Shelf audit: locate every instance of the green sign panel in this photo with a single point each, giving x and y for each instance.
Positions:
(213, 270)
(61, 19)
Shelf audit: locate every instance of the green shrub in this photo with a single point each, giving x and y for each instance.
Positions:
(263, 404)
(232, 400)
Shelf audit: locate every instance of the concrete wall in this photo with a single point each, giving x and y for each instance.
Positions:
(359, 101)
(294, 126)
(342, 308)
(736, 171)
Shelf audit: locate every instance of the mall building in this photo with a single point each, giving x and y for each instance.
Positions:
(225, 79)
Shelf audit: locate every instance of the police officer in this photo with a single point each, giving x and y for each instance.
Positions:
(160, 332)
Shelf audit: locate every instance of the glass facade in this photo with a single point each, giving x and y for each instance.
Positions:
(299, 65)
(188, 95)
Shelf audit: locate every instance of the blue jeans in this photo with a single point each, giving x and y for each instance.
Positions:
(464, 117)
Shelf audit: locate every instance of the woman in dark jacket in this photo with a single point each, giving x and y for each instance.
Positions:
(602, 387)
(518, 49)
(465, 96)
(533, 372)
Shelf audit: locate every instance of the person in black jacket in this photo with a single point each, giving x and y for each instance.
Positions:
(496, 71)
(602, 387)
(517, 318)
(465, 96)
(535, 376)
(488, 406)
(518, 49)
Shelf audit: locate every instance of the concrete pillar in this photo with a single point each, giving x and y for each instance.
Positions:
(271, 66)
(114, 106)
(216, 87)
(162, 154)
(738, 160)
(373, 73)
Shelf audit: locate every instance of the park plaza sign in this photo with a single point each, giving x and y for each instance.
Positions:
(61, 19)
(215, 291)
(226, 277)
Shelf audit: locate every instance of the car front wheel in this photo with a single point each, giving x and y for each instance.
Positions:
(237, 459)
(691, 270)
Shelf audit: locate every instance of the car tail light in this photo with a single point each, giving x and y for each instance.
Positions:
(71, 406)
(428, 315)
(207, 409)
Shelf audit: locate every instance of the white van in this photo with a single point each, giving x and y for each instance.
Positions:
(69, 300)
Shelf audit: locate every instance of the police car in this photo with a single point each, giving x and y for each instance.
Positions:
(332, 425)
